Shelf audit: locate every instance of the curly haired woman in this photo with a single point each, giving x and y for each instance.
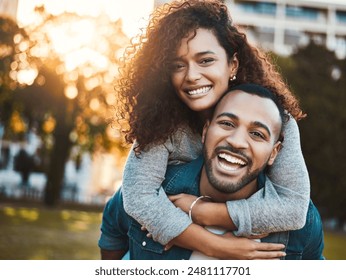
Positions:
(170, 79)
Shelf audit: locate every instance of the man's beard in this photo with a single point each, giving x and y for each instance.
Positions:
(223, 185)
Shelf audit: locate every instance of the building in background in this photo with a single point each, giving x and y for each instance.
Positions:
(283, 25)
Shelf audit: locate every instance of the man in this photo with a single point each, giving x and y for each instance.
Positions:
(240, 141)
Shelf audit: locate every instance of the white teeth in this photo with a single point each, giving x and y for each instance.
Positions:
(227, 167)
(231, 159)
(199, 90)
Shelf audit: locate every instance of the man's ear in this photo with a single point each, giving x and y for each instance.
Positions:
(205, 129)
(275, 151)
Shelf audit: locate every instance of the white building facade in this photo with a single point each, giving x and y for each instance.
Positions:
(283, 25)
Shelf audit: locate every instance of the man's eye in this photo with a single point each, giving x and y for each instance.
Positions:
(226, 123)
(257, 134)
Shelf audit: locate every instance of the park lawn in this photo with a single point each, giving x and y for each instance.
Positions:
(38, 233)
(335, 246)
(48, 234)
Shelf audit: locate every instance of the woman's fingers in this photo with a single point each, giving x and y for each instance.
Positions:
(269, 251)
(268, 255)
(263, 246)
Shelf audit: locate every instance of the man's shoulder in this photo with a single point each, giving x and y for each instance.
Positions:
(183, 178)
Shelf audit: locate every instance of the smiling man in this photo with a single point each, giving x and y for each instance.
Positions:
(240, 141)
(242, 138)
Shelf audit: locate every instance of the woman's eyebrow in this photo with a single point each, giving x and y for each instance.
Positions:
(195, 55)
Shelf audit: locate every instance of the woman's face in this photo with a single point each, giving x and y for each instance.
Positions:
(201, 70)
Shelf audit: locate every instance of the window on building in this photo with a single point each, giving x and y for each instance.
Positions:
(341, 16)
(258, 7)
(302, 12)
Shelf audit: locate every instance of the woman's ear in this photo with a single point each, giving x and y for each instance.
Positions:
(205, 129)
(233, 66)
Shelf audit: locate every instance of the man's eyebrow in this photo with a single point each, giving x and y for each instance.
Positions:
(255, 123)
(260, 124)
(226, 114)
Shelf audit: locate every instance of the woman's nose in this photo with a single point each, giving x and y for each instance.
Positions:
(193, 73)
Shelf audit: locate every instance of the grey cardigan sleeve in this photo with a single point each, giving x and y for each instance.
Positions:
(286, 208)
(144, 198)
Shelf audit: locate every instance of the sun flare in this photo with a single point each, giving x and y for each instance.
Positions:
(78, 43)
(133, 13)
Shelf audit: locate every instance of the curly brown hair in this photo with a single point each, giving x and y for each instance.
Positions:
(147, 101)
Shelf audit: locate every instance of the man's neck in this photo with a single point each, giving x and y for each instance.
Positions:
(207, 189)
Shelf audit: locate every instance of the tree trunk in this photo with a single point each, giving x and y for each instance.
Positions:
(56, 170)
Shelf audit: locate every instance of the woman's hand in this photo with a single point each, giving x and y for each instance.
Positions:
(183, 201)
(205, 212)
(242, 248)
(226, 246)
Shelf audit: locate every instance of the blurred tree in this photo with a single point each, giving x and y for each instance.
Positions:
(319, 80)
(14, 42)
(66, 92)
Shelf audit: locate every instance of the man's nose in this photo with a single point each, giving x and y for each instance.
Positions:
(238, 139)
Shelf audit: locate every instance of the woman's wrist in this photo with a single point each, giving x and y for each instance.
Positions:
(207, 213)
(200, 214)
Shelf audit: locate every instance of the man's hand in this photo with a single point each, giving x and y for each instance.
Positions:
(112, 254)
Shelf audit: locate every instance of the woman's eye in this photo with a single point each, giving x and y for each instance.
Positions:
(177, 66)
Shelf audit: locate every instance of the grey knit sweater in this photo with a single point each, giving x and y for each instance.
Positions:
(282, 210)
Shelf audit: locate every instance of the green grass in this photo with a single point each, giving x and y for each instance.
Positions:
(47, 234)
(38, 233)
(335, 246)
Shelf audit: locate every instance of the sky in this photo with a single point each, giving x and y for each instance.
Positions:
(133, 12)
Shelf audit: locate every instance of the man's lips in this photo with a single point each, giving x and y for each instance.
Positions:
(230, 159)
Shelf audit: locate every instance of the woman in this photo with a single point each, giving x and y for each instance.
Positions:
(187, 58)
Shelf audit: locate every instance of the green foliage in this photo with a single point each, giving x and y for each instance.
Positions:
(11, 37)
(318, 78)
(72, 61)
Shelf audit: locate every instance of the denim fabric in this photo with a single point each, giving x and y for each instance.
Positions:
(119, 231)
(115, 225)
(308, 242)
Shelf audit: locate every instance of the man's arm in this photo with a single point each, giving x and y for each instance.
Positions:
(113, 242)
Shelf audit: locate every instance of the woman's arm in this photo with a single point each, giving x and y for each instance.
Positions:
(226, 246)
(143, 196)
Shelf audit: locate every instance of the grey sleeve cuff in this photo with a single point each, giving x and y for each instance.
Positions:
(240, 214)
(166, 225)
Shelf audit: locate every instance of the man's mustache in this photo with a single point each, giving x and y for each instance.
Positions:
(235, 151)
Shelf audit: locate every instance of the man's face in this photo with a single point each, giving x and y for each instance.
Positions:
(240, 140)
